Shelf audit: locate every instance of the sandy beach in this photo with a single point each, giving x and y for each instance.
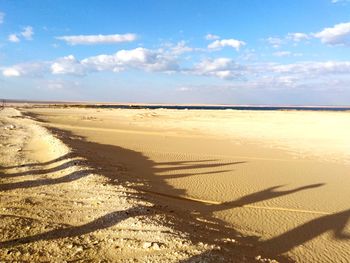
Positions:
(198, 186)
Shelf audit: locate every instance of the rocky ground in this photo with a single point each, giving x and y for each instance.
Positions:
(54, 207)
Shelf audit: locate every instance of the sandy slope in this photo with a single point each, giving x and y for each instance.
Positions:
(282, 176)
(56, 207)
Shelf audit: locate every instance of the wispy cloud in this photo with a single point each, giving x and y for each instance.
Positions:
(282, 53)
(297, 37)
(2, 17)
(339, 34)
(181, 48)
(211, 37)
(13, 38)
(97, 39)
(339, 1)
(27, 33)
(275, 42)
(26, 69)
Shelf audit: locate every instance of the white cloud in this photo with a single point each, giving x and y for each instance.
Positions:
(224, 68)
(211, 37)
(297, 37)
(97, 39)
(336, 35)
(67, 65)
(13, 38)
(234, 43)
(2, 17)
(25, 69)
(138, 58)
(11, 72)
(27, 33)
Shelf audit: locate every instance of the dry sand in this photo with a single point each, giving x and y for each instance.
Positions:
(277, 181)
(58, 205)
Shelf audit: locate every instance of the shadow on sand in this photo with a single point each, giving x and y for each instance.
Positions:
(110, 161)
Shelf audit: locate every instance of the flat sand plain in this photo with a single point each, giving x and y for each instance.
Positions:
(281, 177)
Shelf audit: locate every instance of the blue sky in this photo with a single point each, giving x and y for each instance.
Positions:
(220, 52)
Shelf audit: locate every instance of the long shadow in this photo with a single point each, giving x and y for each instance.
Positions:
(61, 158)
(260, 196)
(41, 182)
(103, 222)
(335, 223)
(44, 171)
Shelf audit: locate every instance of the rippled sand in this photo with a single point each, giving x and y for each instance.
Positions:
(281, 177)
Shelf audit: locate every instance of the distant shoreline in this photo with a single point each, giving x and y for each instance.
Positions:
(179, 106)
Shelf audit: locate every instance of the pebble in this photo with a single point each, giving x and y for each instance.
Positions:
(79, 248)
(10, 127)
(155, 246)
(146, 245)
(69, 245)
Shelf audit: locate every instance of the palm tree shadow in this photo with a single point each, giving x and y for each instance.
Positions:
(41, 182)
(100, 223)
(335, 223)
(58, 159)
(44, 171)
(266, 194)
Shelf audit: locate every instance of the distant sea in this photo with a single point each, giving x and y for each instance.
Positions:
(257, 108)
(32, 103)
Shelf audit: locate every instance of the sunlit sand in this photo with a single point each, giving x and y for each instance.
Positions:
(280, 176)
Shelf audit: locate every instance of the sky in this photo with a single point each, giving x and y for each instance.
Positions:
(293, 52)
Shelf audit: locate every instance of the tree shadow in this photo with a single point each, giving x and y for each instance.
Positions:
(41, 182)
(335, 223)
(61, 158)
(100, 223)
(44, 171)
(266, 194)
